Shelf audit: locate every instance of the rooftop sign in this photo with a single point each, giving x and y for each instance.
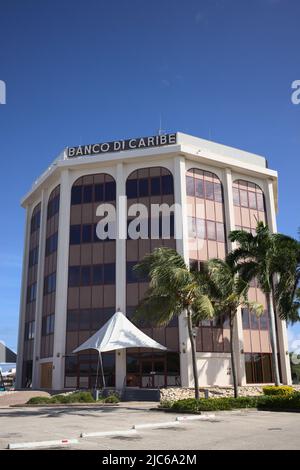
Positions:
(120, 145)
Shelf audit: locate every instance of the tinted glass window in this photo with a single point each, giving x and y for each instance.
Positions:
(218, 192)
(236, 196)
(84, 319)
(220, 232)
(87, 193)
(190, 186)
(243, 198)
(110, 191)
(155, 186)
(200, 228)
(263, 320)
(199, 188)
(109, 273)
(130, 274)
(131, 189)
(245, 318)
(97, 275)
(74, 276)
(260, 202)
(167, 184)
(76, 195)
(211, 230)
(72, 320)
(74, 234)
(86, 233)
(192, 227)
(143, 187)
(99, 192)
(252, 200)
(85, 275)
(209, 190)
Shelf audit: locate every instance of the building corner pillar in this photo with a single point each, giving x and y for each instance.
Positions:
(238, 337)
(61, 282)
(182, 247)
(39, 295)
(121, 225)
(23, 295)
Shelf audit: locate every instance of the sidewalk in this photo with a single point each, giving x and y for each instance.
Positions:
(19, 397)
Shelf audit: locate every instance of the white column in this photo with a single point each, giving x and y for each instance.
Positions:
(281, 324)
(238, 339)
(121, 207)
(39, 294)
(23, 296)
(61, 282)
(183, 249)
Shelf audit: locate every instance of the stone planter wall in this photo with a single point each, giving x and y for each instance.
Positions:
(178, 393)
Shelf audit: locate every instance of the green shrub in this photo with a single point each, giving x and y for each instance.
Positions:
(279, 402)
(281, 390)
(38, 401)
(166, 404)
(80, 397)
(111, 399)
(267, 402)
(214, 404)
(76, 397)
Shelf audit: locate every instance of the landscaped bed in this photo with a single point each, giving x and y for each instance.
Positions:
(274, 399)
(72, 399)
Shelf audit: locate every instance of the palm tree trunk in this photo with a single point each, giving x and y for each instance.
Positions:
(233, 365)
(273, 338)
(194, 360)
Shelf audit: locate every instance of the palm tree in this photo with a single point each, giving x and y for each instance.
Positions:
(173, 289)
(287, 289)
(262, 256)
(227, 291)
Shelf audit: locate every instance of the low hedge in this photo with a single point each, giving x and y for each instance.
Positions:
(191, 405)
(213, 404)
(76, 397)
(279, 402)
(281, 390)
(111, 399)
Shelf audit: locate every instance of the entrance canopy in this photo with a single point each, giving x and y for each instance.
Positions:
(118, 333)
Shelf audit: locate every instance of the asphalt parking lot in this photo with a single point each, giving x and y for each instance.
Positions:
(246, 429)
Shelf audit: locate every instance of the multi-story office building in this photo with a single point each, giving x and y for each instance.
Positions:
(73, 281)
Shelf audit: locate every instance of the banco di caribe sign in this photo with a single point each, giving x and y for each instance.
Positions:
(120, 145)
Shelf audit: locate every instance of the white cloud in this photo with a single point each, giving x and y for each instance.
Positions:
(293, 339)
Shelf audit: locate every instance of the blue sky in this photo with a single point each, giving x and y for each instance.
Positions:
(86, 71)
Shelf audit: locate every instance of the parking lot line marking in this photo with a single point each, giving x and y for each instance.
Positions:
(109, 433)
(197, 417)
(155, 425)
(36, 444)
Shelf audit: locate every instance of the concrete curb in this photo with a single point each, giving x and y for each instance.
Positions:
(41, 444)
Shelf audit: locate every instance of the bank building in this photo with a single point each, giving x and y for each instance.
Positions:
(73, 282)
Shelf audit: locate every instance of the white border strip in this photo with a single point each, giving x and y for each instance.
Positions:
(165, 424)
(35, 445)
(194, 418)
(109, 433)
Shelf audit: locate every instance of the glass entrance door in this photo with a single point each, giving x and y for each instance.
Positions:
(153, 370)
(153, 373)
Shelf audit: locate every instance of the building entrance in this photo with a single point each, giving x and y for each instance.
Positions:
(147, 370)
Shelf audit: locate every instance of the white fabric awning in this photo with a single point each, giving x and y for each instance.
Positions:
(118, 333)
